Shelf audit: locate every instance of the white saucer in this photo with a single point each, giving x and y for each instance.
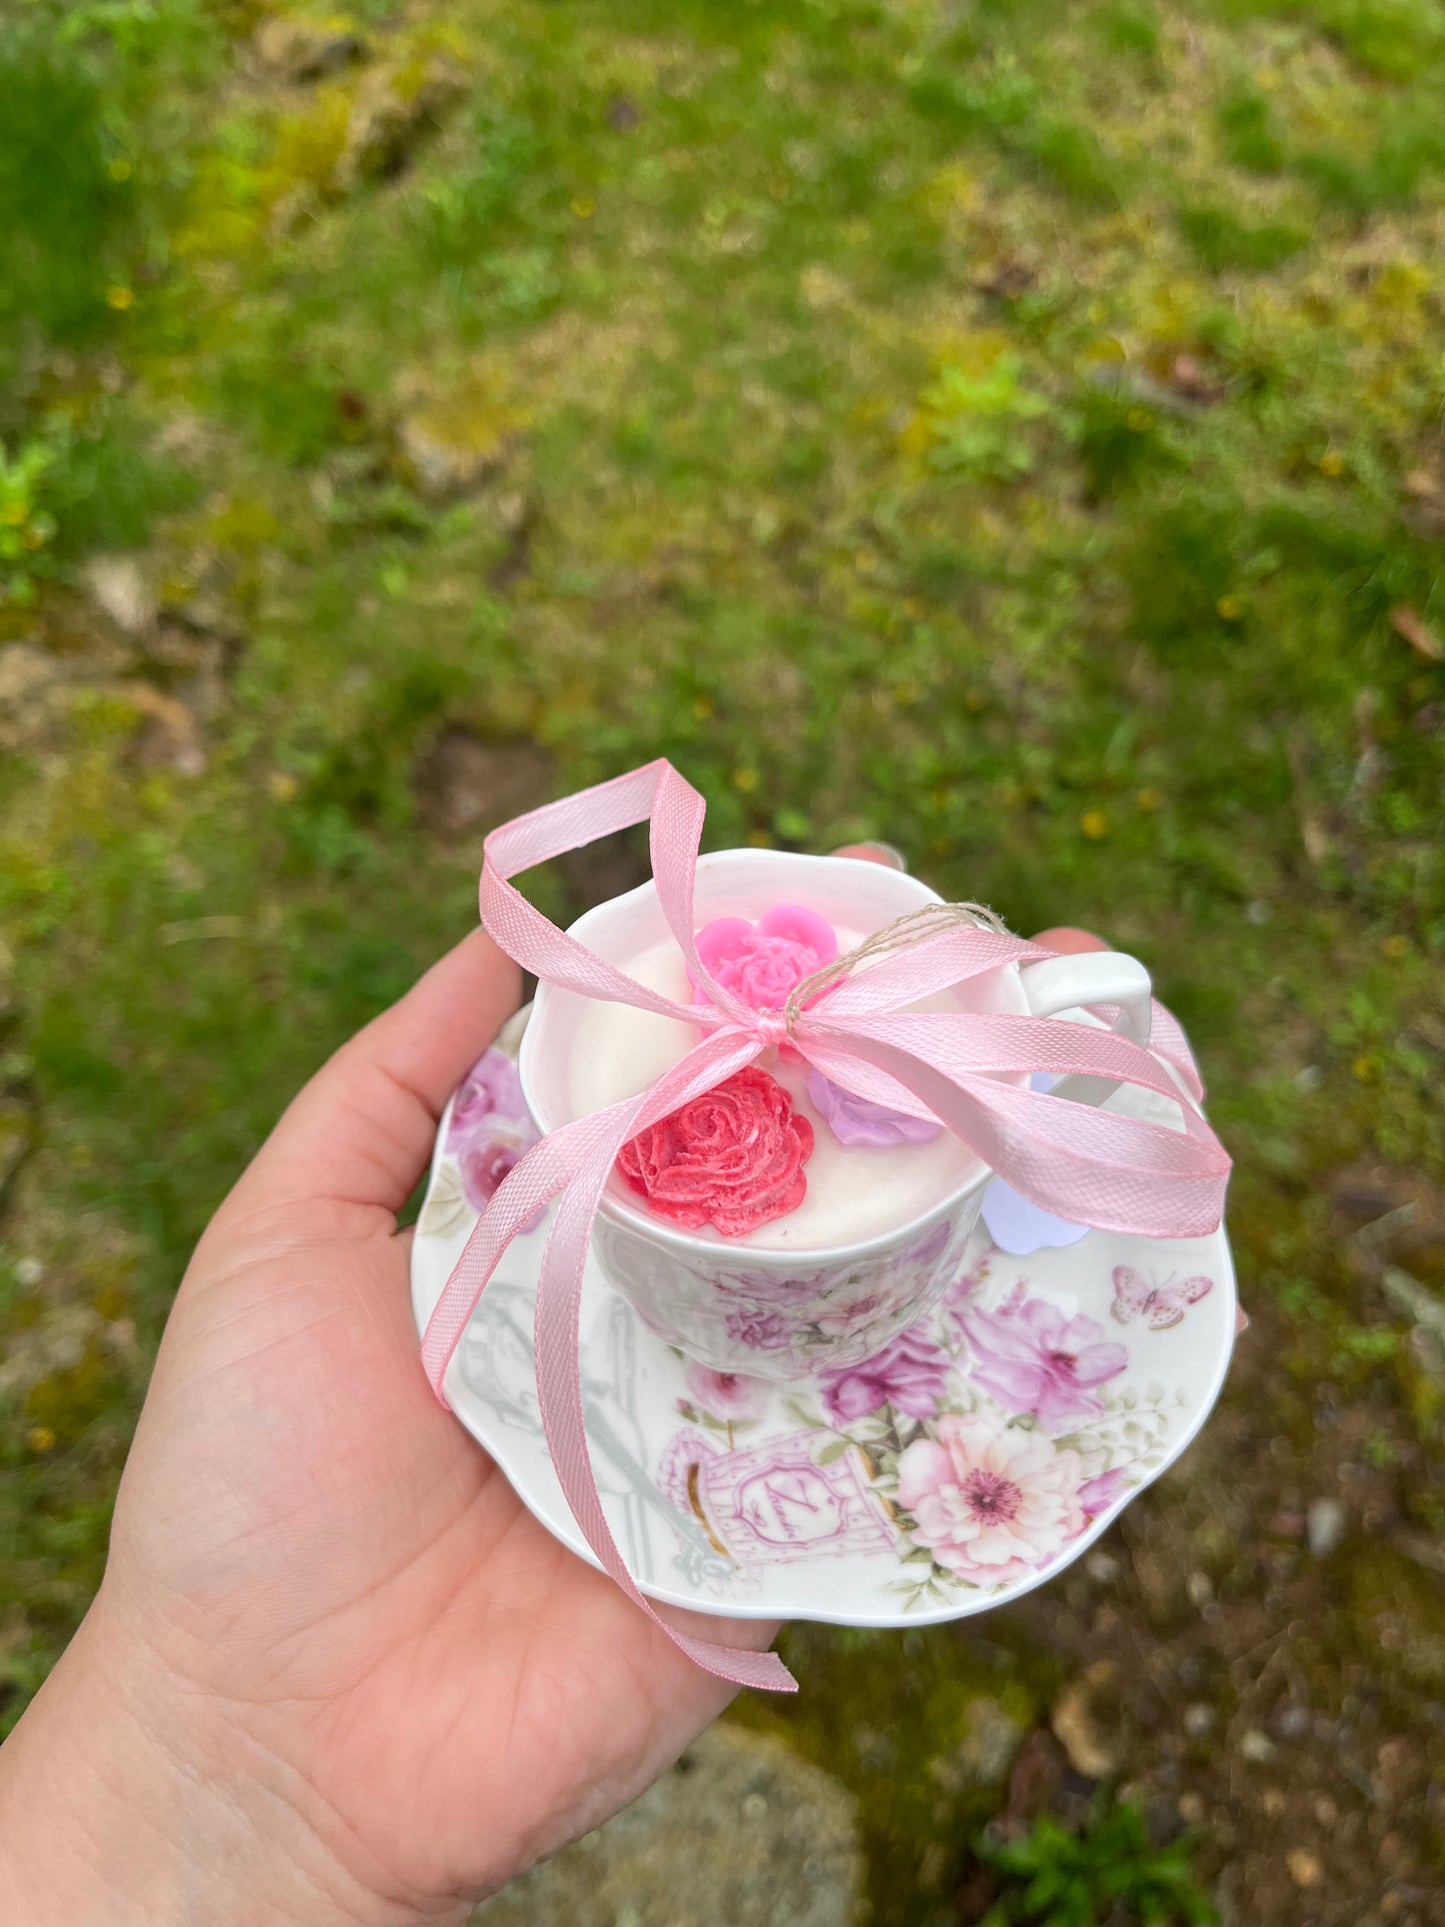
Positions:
(792, 1502)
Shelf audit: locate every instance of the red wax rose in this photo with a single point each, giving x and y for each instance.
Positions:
(733, 1157)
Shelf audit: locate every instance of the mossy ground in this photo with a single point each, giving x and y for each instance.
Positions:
(1014, 431)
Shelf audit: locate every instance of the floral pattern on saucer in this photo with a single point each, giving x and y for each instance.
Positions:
(977, 1454)
(973, 1451)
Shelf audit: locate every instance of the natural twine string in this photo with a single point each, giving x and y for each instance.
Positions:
(913, 927)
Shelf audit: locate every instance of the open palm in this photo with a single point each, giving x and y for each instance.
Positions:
(327, 1567)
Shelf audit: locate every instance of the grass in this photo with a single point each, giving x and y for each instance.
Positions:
(1008, 434)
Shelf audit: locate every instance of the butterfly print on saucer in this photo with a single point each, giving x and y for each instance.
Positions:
(1160, 1306)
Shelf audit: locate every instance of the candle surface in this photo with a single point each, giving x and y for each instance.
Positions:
(854, 1192)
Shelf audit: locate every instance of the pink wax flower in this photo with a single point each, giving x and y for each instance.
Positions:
(727, 1395)
(992, 1504)
(733, 1157)
(761, 963)
(856, 1120)
(910, 1373)
(1031, 1357)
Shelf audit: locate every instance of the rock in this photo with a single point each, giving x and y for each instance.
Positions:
(1304, 1869)
(1425, 1311)
(450, 447)
(1199, 1721)
(983, 1756)
(302, 50)
(1324, 1526)
(118, 588)
(1080, 1720)
(1256, 1747)
(741, 1833)
(395, 108)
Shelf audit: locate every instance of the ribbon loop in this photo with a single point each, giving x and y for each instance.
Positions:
(856, 1021)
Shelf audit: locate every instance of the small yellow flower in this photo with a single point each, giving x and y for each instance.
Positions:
(40, 1438)
(1149, 800)
(119, 169)
(746, 779)
(702, 708)
(1094, 824)
(1230, 607)
(1367, 1069)
(120, 298)
(13, 515)
(1332, 463)
(583, 207)
(1396, 947)
(282, 785)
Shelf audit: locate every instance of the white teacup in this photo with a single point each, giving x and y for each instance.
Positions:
(782, 1314)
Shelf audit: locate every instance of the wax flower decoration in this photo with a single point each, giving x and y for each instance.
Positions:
(733, 1157)
(763, 963)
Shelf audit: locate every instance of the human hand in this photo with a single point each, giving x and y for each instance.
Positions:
(336, 1670)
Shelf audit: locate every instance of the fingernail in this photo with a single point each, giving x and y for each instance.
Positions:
(888, 852)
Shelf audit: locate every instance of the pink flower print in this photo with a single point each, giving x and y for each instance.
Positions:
(771, 1288)
(991, 1504)
(483, 1165)
(909, 1373)
(1099, 1494)
(840, 1320)
(492, 1088)
(761, 963)
(1032, 1358)
(727, 1395)
(759, 1329)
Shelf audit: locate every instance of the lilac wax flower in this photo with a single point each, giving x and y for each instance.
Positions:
(856, 1120)
(1032, 1357)
(910, 1373)
(1021, 1228)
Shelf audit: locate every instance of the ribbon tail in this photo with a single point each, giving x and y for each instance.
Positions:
(559, 1387)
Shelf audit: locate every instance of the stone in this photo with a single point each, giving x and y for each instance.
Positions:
(1199, 1721)
(1304, 1868)
(740, 1833)
(1324, 1526)
(396, 107)
(1256, 1747)
(1080, 1722)
(453, 446)
(984, 1755)
(301, 50)
(119, 589)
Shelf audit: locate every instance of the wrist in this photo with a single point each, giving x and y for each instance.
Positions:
(127, 1799)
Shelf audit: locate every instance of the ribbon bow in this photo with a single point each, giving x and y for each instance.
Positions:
(1095, 1167)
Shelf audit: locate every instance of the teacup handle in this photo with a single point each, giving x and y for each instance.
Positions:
(1057, 984)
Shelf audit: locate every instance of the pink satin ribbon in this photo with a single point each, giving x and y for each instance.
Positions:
(1092, 1166)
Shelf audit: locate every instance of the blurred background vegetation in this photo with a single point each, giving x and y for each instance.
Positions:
(1013, 428)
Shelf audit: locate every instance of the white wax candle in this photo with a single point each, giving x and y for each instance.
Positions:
(854, 1192)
